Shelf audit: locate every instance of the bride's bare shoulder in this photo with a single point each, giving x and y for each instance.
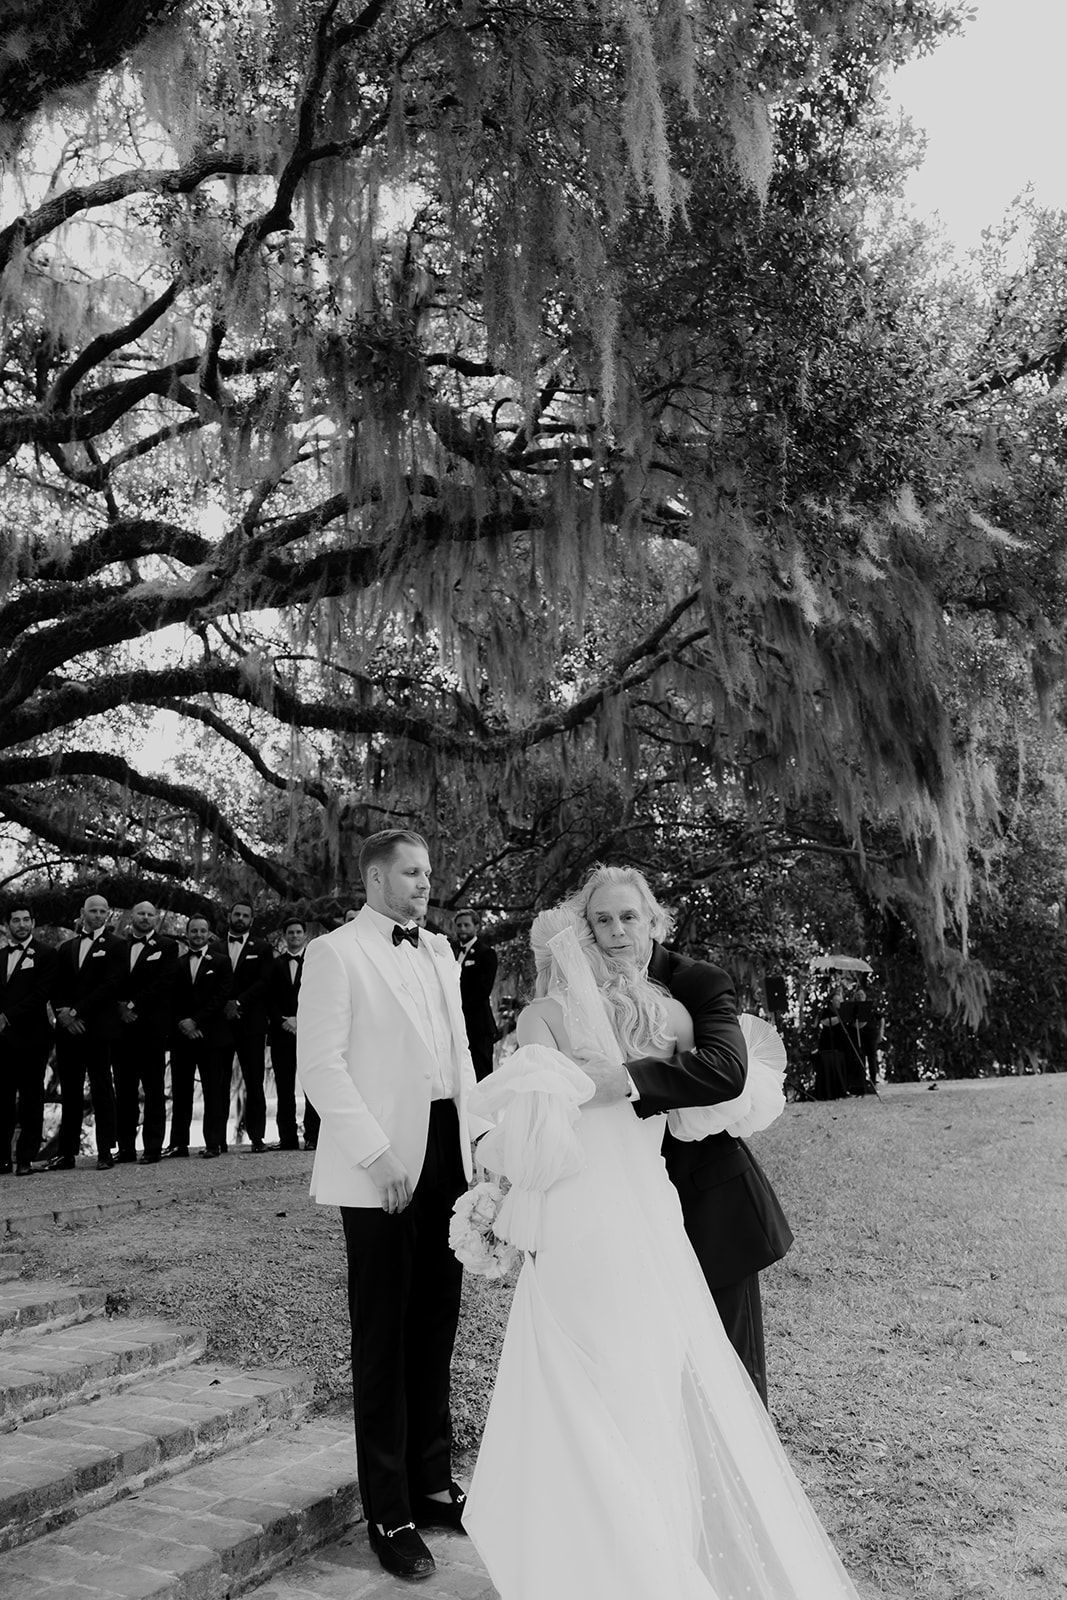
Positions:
(541, 1022)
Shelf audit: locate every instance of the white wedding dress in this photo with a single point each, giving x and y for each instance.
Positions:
(626, 1454)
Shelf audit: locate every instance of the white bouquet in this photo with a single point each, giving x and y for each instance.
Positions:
(471, 1236)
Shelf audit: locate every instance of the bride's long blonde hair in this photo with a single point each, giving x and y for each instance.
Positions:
(634, 1003)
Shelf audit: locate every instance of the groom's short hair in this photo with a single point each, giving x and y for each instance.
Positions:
(382, 847)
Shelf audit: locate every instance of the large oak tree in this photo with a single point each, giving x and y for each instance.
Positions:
(450, 409)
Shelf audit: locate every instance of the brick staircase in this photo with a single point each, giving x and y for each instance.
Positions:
(133, 1469)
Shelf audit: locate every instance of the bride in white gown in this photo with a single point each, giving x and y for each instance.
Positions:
(626, 1453)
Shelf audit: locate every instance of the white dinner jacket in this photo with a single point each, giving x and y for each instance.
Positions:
(364, 1061)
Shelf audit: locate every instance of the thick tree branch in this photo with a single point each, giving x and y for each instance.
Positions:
(279, 215)
(1049, 362)
(72, 702)
(102, 408)
(16, 771)
(43, 825)
(130, 539)
(105, 344)
(275, 583)
(27, 231)
(211, 719)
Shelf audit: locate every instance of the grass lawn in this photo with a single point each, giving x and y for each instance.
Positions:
(916, 1331)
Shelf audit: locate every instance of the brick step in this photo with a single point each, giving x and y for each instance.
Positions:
(41, 1373)
(33, 1303)
(216, 1530)
(347, 1567)
(67, 1465)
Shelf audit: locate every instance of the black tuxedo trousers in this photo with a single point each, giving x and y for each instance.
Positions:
(250, 1043)
(283, 1065)
(139, 1065)
(24, 1056)
(79, 1057)
(403, 1298)
(212, 1058)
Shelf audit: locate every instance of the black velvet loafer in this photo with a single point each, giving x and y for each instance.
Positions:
(401, 1551)
(430, 1513)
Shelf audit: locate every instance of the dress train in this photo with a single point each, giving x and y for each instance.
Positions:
(626, 1453)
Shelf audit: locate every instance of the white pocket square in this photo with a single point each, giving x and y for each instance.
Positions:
(154, 956)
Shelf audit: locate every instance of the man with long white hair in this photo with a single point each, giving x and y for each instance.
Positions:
(732, 1215)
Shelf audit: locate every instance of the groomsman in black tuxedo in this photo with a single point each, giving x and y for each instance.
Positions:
(477, 975)
(139, 1055)
(201, 1041)
(85, 981)
(26, 968)
(282, 995)
(246, 1012)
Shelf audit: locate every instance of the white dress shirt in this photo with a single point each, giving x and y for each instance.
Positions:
(15, 955)
(417, 974)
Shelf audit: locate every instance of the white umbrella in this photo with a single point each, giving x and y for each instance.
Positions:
(839, 964)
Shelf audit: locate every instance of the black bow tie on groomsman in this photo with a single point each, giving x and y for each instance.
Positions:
(406, 935)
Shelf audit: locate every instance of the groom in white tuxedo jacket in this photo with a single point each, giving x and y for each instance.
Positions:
(382, 1056)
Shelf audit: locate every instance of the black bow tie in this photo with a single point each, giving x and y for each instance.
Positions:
(236, 938)
(406, 936)
(141, 938)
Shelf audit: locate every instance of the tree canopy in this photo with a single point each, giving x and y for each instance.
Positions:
(499, 417)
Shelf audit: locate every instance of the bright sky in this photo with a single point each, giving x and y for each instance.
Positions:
(992, 103)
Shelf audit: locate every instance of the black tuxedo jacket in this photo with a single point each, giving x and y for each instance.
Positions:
(477, 975)
(282, 992)
(91, 989)
(732, 1215)
(24, 996)
(202, 1001)
(250, 982)
(149, 985)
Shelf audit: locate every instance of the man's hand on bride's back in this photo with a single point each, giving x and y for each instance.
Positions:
(610, 1079)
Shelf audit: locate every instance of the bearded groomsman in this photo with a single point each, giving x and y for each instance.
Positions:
(246, 1012)
(382, 1053)
(477, 975)
(283, 991)
(25, 1039)
(85, 980)
(201, 1042)
(139, 1055)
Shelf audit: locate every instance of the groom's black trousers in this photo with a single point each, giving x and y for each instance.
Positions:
(403, 1300)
